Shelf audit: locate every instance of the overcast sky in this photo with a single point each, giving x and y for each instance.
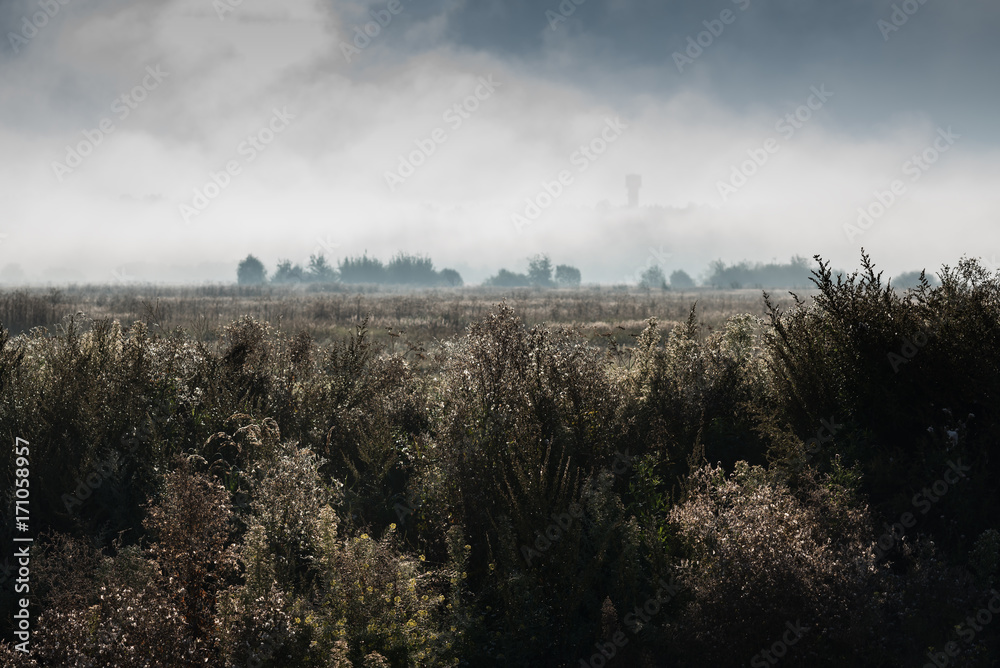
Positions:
(167, 139)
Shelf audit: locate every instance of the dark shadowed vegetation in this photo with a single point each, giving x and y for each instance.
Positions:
(519, 492)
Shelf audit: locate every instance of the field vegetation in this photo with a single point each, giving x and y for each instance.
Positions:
(293, 476)
(330, 312)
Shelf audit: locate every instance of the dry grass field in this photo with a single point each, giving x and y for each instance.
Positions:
(283, 477)
(417, 316)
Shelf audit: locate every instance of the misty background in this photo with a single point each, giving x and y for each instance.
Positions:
(559, 76)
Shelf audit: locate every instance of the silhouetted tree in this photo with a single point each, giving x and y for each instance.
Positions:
(320, 271)
(680, 280)
(508, 279)
(795, 274)
(362, 269)
(653, 279)
(451, 278)
(251, 272)
(540, 271)
(567, 276)
(406, 269)
(288, 273)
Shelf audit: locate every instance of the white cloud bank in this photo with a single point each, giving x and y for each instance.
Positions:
(321, 180)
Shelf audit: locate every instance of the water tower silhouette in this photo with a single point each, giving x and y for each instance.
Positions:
(633, 182)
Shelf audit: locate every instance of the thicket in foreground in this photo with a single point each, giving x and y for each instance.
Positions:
(517, 496)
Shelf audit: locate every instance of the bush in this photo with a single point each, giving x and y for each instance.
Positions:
(320, 271)
(362, 270)
(508, 279)
(653, 279)
(528, 419)
(692, 397)
(540, 271)
(514, 494)
(905, 410)
(451, 278)
(411, 270)
(680, 280)
(312, 594)
(288, 273)
(760, 556)
(251, 272)
(152, 609)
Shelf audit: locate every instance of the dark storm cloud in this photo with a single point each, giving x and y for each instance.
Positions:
(48, 84)
(938, 63)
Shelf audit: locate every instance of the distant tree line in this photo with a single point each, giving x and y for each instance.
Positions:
(911, 280)
(794, 274)
(405, 269)
(653, 278)
(540, 275)
(402, 269)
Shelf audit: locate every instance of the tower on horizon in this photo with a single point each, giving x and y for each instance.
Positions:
(633, 182)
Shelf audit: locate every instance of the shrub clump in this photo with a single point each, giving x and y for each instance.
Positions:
(760, 555)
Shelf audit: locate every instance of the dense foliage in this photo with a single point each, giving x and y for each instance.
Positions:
(402, 269)
(814, 487)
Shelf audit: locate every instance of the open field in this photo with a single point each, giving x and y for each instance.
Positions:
(418, 315)
(461, 480)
